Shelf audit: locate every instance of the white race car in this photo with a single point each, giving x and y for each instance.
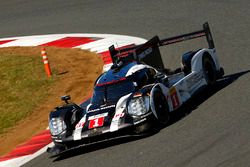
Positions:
(135, 94)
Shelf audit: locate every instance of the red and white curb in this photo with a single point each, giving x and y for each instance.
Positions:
(98, 43)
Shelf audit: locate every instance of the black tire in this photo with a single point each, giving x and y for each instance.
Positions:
(56, 149)
(143, 128)
(209, 69)
(161, 107)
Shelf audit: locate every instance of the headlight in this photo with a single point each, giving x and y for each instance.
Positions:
(138, 106)
(56, 126)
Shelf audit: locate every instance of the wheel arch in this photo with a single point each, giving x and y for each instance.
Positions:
(196, 62)
(165, 92)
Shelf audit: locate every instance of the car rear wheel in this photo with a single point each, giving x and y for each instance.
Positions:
(209, 69)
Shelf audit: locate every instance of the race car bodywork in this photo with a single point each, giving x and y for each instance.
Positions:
(136, 94)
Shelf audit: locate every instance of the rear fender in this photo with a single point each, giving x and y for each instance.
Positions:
(196, 62)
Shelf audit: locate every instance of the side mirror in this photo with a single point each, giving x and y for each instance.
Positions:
(66, 98)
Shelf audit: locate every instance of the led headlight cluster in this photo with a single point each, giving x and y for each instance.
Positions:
(56, 126)
(138, 106)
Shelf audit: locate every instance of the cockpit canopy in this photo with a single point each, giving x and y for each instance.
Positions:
(112, 92)
(115, 83)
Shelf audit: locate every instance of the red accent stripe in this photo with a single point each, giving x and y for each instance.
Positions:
(6, 41)
(69, 42)
(36, 143)
(111, 82)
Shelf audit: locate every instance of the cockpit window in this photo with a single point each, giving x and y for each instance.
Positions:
(112, 92)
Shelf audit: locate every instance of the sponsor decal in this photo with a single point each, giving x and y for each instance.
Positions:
(102, 108)
(142, 120)
(119, 115)
(174, 97)
(97, 120)
(80, 125)
(98, 116)
(195, 78)
(183, 38)
(145, 53)
(77, 133)
(120, 107)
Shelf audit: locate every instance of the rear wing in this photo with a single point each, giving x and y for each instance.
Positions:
(149, 52)
(205, 32)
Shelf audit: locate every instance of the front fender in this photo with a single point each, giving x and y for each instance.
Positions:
(165, 92)
(70, 114)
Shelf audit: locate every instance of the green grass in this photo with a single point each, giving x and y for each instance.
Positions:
(23, 86)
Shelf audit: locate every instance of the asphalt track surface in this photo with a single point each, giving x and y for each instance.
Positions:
(214, 130)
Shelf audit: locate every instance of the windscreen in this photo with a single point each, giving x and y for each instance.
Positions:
(112, 92)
